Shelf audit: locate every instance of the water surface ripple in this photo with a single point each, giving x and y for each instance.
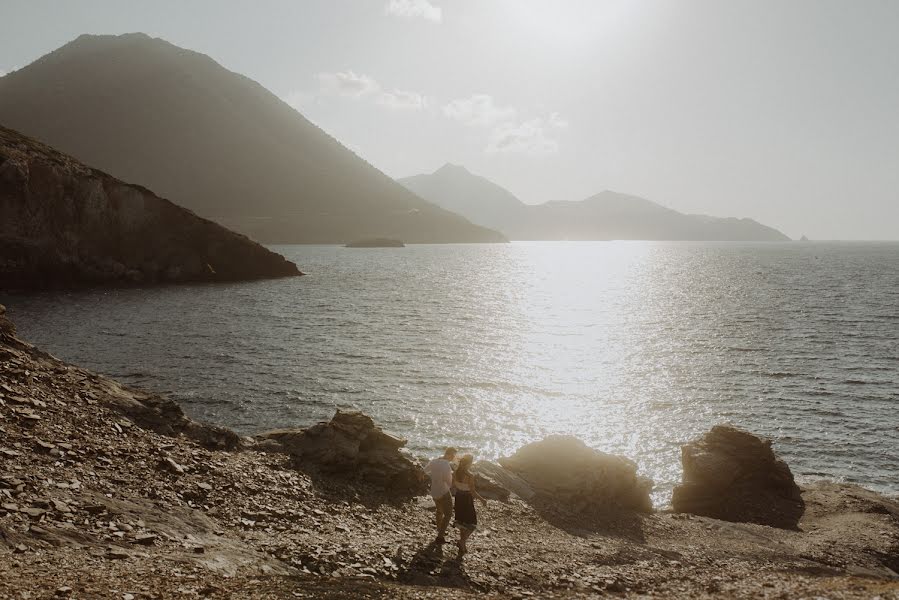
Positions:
(634, 347)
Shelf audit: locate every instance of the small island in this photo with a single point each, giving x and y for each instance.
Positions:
(377, 243)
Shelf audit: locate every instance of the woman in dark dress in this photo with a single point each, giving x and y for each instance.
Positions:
(466, 516)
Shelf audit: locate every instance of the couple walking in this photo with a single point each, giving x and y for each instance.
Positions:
(444, 482)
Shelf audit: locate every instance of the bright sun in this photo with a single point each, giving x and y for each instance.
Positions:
(573, 23)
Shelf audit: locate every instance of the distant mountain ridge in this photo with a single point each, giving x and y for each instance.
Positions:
(604, 216)
(455, 188)
(215, 142)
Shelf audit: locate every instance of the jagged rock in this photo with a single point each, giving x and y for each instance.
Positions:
(44, 446)
(565, 471)
(146, 539)
(488, 487)
(117, 554)
(733, 475)
(267, 445)
(493, 477)
(350, 445)
(167, 464)
(164, 416)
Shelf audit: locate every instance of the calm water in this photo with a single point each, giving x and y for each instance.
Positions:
(634, 347)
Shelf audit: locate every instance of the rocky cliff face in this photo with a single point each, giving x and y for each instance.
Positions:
(63, 223)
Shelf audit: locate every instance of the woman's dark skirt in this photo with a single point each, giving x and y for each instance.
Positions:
(466, 517)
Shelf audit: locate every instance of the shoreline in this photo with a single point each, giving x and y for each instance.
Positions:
(117, 493)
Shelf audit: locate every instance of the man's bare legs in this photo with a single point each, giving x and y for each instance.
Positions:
(443, 513)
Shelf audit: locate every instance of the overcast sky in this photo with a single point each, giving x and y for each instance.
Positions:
(784, 111)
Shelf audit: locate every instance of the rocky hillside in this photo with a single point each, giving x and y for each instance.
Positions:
(604, 216)
(215, 142)
(63, 223)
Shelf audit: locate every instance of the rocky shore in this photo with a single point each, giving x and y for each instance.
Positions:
(111, 492)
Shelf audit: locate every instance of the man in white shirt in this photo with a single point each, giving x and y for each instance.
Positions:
(441, 472)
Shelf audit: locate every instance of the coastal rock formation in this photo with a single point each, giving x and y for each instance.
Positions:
(63, 223)
(352, 447)
(567, 472)
(733, 475)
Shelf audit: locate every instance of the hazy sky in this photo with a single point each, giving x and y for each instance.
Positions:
(786, 111)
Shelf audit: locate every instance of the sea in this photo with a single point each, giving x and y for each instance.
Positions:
(633, 347)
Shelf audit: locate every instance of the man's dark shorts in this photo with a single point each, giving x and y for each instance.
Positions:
(445, 503)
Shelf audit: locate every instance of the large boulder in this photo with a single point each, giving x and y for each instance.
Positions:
(573, 476)
(733, 475)
(351, 446)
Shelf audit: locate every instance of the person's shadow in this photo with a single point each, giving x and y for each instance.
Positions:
(433, 565)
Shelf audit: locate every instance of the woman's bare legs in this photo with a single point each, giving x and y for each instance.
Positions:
(464, 533)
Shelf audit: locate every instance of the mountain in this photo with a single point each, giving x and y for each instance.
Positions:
(605, 216)
(63, 223)
(477, 198)
(215, 142)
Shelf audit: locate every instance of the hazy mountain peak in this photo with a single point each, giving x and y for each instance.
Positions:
(214, 141)
(451, 169)
(455, 188)
(606, 215)
(91, 41)
(610, 199)
(134, 35)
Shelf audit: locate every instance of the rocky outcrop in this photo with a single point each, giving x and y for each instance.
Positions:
(568, 473)
(733, 475)
(7, 329)
(63, 223)
(146, 410)
(351, 447)
(497, 483)
(163, 416)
